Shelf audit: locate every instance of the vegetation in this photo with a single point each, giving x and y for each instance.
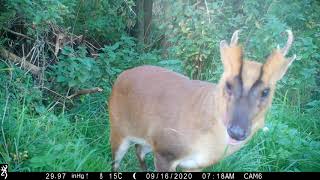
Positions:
(50, 50)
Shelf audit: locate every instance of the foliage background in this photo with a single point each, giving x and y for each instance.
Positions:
(42, 130)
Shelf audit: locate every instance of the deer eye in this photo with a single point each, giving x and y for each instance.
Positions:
(265, 93)
(229, 88)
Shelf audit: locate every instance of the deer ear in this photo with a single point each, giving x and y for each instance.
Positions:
(276, 64)
(231, 55)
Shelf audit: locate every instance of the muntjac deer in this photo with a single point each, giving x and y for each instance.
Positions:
(190, 123)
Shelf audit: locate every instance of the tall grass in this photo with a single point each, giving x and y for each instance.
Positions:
(78, 139)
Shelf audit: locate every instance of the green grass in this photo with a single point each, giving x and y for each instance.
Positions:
(78, 139)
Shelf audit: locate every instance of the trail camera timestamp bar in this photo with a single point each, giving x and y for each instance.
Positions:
(156, 175)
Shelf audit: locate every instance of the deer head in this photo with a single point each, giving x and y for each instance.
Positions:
(247, 87)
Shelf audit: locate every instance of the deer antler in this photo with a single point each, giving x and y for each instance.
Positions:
(231, 55)
(277, 64)
(233, 42)
(235, 38)
(286, 48)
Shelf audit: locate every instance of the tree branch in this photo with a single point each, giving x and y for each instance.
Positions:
(16, 59)
(85, 91)
(18, 34)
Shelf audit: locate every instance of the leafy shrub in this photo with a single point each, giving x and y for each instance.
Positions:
(36, 15)
(103, 21)
(122, 55)
(75, 69)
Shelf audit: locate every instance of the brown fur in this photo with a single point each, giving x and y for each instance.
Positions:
(183, 120)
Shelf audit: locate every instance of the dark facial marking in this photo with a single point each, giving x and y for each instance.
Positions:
(229, 88)
(239, 127)
(242, 112)
(240, 74)
(255, 88)
(258, 81)
(236, 87)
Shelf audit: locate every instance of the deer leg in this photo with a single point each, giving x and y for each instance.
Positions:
(141, 151)
(119, 146)
(163, 163)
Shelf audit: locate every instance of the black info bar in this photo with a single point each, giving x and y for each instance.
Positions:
(158, 175)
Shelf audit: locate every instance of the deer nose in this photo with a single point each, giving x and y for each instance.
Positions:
(237, 133)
